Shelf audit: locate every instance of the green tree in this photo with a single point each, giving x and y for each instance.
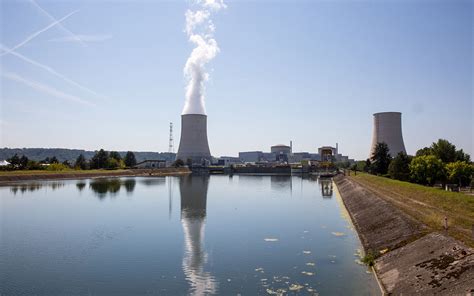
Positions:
(459, 172)
(178, 163)
(444, 150)
(354, 168)
(399, 167)
(112, 163)
(23, 163)
(115, 155)
(461, 156)
(424, 151)
(380, 159)
(53, 160)
(130, 159)
(99, 160)
(34, 165)
(81, 162)
(427, 170)
(367, 165)
(14, 161)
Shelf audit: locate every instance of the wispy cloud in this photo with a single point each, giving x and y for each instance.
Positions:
(85, 38)
(50, 70)
(60, 26)
(32, 36)
(45, 88)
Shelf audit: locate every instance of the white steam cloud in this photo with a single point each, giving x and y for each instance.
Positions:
(200, 31)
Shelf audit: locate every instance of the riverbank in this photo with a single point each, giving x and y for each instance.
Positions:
(17, 176)
(413, 257)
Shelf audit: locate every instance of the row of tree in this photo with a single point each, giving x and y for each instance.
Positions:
(101, 160)
(439, 163)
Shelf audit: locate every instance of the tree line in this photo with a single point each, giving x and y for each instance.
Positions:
(101, 160)
(439, 163)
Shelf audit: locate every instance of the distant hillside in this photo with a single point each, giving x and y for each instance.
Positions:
(70, 155)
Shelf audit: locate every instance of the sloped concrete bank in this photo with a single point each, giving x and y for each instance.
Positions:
(413, 259)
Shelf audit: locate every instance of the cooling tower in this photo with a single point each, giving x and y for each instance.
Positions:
(193, 143)
(388, 129)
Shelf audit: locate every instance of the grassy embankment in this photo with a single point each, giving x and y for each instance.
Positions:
(71, 171)
(7, 177)
(426, 204)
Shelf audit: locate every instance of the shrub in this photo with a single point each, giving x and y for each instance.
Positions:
(427, 170)
(369, 259)
(57, 167)
(399, 167)
(459, 172)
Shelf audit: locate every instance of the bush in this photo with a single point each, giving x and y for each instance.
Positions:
(459, 172)
(178, 163)
(57, 167)
(369, 259)
(112, 164)
(399, 167)
(427, 170)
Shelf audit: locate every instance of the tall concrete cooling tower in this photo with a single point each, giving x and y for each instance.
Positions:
(193, 143)
(388, 129)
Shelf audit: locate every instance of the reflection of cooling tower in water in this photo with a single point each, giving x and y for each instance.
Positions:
(193, 143)
(193, 191)
(388, 129)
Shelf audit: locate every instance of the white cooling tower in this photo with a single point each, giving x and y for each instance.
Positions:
(193, 143)
(388, 129)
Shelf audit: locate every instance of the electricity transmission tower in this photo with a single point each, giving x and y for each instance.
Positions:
(171, 143)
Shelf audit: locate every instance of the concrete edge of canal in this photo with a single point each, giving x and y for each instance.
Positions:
(411, 258)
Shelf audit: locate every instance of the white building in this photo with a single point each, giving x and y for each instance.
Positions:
(151, 164)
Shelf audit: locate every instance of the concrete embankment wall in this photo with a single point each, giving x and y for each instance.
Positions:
(413, 259)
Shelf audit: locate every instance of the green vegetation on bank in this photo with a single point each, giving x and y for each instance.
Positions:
(100, 160)
(426, 204)
(441, 163)
(64, 172)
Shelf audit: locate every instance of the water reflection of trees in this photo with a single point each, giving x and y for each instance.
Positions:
(104, 187)
(80, 186)
(193, 190)
(150, 181)
(30, 187)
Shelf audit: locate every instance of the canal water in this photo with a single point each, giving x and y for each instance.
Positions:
(191, 235)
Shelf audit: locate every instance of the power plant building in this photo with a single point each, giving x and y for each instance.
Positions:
(388, 129)
(283, 153)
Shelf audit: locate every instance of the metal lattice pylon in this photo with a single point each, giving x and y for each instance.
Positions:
(171, 142)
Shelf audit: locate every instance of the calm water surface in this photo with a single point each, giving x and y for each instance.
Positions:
(177, 236)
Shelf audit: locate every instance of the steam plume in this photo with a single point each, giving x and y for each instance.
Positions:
(200, 31)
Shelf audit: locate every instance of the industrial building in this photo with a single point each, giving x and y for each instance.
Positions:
(228, 161)
(151, 164)
(388, 129)
(283, 153)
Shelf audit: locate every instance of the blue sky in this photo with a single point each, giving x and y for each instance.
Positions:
(309, 71)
